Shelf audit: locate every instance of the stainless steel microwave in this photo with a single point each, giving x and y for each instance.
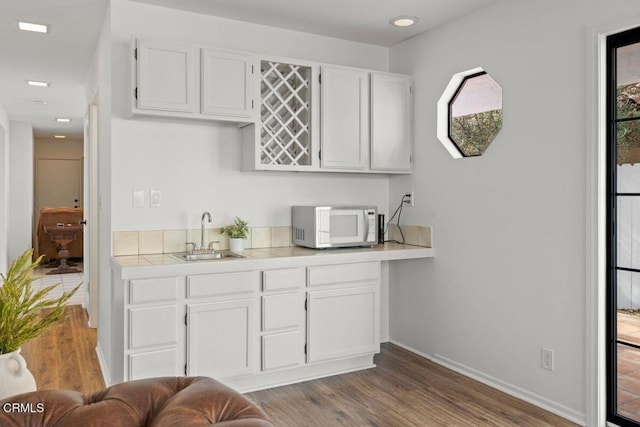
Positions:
(334, 226)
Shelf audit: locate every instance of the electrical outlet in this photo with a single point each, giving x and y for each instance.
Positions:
(547, 359)
(156, 198)
(408, 199)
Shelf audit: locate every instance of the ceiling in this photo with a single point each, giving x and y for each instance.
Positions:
(364, 21)
(63, 56)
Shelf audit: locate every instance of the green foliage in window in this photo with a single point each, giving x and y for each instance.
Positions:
(474, 132)
(628, 132)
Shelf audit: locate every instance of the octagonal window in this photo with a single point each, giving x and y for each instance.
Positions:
(470, 113)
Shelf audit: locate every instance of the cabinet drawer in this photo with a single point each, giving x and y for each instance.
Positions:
(344, 273)
(153, 290)
(159, 363)
(222, 284)
(281, 311)
(282, 350)
(152, 326)
(289, 278)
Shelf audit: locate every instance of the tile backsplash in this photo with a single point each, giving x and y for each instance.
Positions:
(167, 241)
(418, 235)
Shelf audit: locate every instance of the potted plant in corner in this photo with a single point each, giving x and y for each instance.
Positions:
(237, 234)
(21, 320)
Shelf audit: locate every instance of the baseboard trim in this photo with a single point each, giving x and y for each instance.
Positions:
(103, 367)
(510, 389)
(412, 350)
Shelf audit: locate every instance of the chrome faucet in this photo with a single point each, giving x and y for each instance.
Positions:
(204, 215)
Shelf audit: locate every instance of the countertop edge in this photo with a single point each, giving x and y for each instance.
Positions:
(323, 257)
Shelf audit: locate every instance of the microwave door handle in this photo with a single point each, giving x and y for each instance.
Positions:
(366, 226)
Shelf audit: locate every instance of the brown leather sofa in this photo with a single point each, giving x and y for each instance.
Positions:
(157, 402)
(54, 216)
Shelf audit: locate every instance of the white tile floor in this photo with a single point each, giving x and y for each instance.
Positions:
(67, 282)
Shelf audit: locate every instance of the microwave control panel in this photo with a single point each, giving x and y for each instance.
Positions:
(371, 229)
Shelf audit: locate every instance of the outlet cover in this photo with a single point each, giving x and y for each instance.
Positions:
(547, 359)
(138, 198)
(156, 198)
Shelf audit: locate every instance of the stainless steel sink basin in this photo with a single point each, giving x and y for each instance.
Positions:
(208, 256)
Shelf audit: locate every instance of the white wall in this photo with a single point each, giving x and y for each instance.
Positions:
(509, 272)
(99, 85)
(49, 148)
(197, 165)
(20, 219)
(4, 188)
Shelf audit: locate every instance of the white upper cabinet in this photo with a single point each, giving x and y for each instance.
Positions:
(284, 137)
(165, 76)
(391, 122)
(344, 118)
(187, 81)
(226, 84)
(349, 120)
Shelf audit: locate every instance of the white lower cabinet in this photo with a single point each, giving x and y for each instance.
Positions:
(283, 350)
(283, 333)
(220, 338)
(252, 329)
(156, 363)
(154, 344)
(343, 311)
(342, 323)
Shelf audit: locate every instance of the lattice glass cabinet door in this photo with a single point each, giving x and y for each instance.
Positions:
(285, 114)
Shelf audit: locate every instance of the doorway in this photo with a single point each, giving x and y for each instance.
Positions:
(4, 180)
(623, 227)
(58, 183)
(90, 196)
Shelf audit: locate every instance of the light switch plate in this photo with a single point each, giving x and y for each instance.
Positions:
(156, 198)
(138, 198)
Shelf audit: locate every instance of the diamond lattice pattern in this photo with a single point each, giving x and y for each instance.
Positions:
(284, 112)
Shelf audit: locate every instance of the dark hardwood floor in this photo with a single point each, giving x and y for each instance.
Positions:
(403, 390)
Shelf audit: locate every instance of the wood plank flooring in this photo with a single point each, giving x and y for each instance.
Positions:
(404, 389)
(65, 357)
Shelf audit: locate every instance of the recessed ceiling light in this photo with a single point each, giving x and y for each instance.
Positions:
(404, 21)
(37, 83)
(62, 120)
(38, 101)
(30, 26)
(59, 136)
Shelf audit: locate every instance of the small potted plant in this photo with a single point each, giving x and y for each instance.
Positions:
(237, 233)
(21, 320)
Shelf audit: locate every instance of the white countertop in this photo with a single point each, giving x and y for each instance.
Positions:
(141, 266)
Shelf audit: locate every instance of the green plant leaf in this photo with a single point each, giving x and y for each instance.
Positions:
(21, 306)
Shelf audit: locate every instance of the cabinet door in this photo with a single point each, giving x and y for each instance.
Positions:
(390, 122)
(343, 323)
(344, 118)
(220, 338)
(226, 84)
(165, 76)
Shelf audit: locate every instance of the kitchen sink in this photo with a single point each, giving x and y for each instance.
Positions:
(208, 256)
